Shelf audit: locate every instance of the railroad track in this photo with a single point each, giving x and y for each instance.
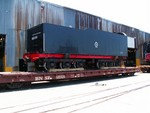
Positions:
(75, 103)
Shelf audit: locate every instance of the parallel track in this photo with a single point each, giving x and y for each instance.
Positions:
(79, 101)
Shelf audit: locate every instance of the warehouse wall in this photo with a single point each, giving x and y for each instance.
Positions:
(7, 28)
(29, 13)
(19, 15)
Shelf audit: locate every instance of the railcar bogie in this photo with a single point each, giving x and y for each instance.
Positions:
(50, 64)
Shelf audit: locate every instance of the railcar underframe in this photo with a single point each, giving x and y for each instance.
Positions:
(19, 79)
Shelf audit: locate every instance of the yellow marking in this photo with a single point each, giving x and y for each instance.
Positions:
(4, 62)
(138, 62)
(8, 69)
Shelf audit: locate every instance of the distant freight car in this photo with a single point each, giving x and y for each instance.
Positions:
(52, 46)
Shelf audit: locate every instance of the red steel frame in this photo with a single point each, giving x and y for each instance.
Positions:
(36, 56)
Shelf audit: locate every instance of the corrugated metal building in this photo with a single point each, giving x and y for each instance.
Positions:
(19, 15)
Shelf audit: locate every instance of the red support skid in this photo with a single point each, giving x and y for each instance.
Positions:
(36, 56)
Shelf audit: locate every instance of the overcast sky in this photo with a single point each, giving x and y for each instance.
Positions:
(134, 13)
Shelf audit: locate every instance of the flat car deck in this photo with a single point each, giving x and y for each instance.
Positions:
(14, 77)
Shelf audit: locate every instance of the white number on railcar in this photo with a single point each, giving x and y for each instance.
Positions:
(60, 76)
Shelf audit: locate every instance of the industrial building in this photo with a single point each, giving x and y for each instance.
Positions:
(19, 15)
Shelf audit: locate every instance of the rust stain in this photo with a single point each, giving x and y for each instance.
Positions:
(84, 21)
(18, 27)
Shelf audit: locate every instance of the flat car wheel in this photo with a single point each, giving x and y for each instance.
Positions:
(14, 85)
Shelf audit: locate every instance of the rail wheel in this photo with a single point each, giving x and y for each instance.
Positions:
(98, 65)
(49, 65)
(63, 65)
(40, 65)
(74, 65)
(14, 85)
(80, 64)
(18, 85)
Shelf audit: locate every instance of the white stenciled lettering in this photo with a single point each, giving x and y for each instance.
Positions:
(36, 33)
(34, 37)
(47, 78)
(60, 76)
(38, 78)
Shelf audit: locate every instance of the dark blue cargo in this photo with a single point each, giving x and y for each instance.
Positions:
(48, 38)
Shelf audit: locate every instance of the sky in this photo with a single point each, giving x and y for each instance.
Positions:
(133, 13)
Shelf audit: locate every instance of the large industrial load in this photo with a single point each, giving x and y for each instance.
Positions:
(53, 46)
(68, 53)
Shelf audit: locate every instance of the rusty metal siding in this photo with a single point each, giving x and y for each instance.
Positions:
(84, 21)
(25, 15)
(17, 17)
(29, 13)
(116, 28)
(6, 15)
(104, 25)
(10, 47)
(107, 25)
(52, 14)
(69, 17)
(147, 37)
